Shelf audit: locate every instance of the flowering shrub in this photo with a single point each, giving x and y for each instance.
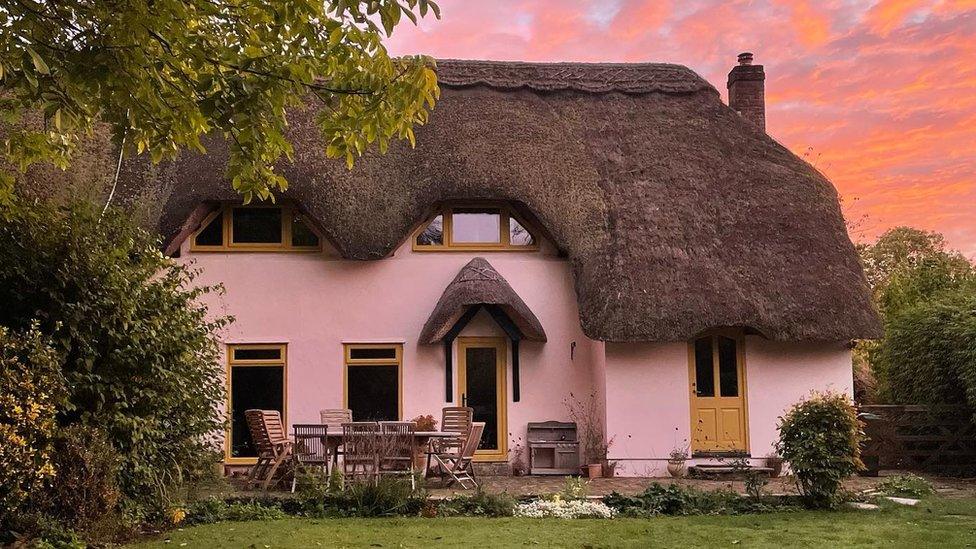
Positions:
(561, 508)
(30, 395)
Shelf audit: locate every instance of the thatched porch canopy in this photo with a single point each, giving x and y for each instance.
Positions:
(677, 214)
(479, 284)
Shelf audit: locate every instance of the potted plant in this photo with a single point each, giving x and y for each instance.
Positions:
(425, 423)
(518, 459)
(775, 462)
(676, 462)
(589, 429)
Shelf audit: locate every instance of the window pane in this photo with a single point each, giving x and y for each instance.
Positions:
(257, 226)
(433, 234)
(704, 374)
(470, 225)
(252, 387)
(257, 354)
(728, 372)
(372, 352)
(301, 235)
(519, 235)
(213, 233)
(372, 393)
(481, 392)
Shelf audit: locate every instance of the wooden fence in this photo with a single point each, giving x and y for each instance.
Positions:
(939, 440)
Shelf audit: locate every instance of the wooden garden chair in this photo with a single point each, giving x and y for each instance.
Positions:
(270, 443)
(311, 451)
(360, 454)
(398, 449)
(334, 418)
(459, 465)
(454, 419)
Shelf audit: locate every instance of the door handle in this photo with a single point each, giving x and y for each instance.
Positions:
(464, 399)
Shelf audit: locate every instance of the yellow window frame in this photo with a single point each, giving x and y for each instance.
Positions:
(232, 362)
(349, 362)
(505, 212)
(226, 212)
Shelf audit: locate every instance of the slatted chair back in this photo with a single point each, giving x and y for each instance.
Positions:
(457, 419)
(398, 441)
(310, 444)
(335, 417)
(360, 443)
(471, 445)
(259, 432)
(274, 426)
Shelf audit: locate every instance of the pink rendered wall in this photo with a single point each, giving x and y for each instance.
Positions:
(648, 407)
(315, 302)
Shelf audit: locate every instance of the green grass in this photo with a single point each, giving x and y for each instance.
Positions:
(934, 523)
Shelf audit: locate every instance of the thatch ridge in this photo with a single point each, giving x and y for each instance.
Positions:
(478, 283)
(677, 214)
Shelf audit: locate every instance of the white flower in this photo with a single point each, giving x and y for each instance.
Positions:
(558, 508)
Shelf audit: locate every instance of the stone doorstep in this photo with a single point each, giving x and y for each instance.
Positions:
(715, 471)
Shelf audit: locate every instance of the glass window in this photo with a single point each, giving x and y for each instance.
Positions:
(433, 233)
(213, 233)
(728, 370)
(362, 353)
(257, 354)
(372, 392)
(519, 235)
(704, 368)
(301, 234)
(256, 226)
(259, 386)
(476, 226)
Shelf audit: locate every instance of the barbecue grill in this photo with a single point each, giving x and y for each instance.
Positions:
(553, 448)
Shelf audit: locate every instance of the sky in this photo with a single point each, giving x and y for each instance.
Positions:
(880, 95)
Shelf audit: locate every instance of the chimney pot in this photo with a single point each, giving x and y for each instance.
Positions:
(747, 90)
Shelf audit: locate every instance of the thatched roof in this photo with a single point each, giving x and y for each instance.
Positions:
(478, 283)
(677, 214)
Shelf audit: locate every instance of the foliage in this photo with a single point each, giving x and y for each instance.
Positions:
(383, 497)
(575, 488)
(162, 73)
(140, 356)
(84, 493)
(908, 485)
(566, 509)
(31, 390)
(905, 268)
(425, 423)
(479, 504)
(930, 351)
(820, 438)
(213, 510)
(517, 456)
(673, 499)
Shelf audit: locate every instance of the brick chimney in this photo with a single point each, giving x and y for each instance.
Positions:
(747, 90)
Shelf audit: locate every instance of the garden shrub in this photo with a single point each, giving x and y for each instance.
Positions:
(211, 510)
(930, 351)
(384, 497)
(820, 438)
(908, 485)
(140, 356)
(479, 504)
(31, 390)
(673, 499)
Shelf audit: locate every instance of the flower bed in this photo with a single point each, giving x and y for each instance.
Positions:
(567, 509)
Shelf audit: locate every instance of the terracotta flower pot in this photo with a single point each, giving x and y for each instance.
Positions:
(594, 470)
(676, 468)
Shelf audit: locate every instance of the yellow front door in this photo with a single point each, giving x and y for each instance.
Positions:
(481, 385)
(718, 394)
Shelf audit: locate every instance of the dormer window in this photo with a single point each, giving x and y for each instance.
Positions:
(255, 229)
(475, 228)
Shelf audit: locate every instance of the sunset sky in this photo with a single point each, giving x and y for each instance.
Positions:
(879, 95)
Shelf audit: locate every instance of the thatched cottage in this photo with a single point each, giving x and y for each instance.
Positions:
(612, 230)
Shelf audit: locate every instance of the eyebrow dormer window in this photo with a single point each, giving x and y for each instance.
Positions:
(256, 229)
(475, 228)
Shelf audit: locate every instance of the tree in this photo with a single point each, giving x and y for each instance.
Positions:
(162, 73)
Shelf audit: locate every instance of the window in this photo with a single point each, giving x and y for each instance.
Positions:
(373, 381)
(475, 227)
(717, 366)
(256, 380)
(255, 228)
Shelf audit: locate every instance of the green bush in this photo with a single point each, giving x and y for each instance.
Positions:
(820, 438)
(141, 360)
(384, 497)
(673, 499)
(479, 504)
(213, 510)
(930, 351)
(909, 485)
(31, 390)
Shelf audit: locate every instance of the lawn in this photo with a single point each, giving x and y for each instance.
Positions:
(934, 523)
